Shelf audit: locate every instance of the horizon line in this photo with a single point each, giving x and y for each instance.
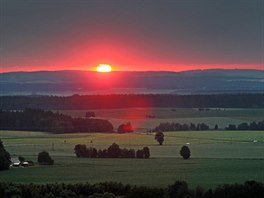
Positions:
(113, 71)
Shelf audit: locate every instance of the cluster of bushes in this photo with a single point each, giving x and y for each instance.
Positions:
(40, 120)
(113, 190)
(245, 126)
(113, 151)
(181, 127)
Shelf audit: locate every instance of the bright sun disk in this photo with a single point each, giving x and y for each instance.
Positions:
(103, 68)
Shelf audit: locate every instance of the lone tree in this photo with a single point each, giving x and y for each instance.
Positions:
(159, 137)
(216, 127)
(45, 159)
(4, 158)
(185, 152)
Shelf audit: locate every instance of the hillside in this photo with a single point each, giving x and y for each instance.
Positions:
(87, 82)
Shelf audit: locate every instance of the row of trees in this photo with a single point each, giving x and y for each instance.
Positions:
(132, 100)
(113, 151)
(179, 189)
(245, 126)
(40, 120)
(181, 127)
(202, 126)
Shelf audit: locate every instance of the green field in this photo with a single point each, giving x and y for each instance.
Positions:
(217, 157)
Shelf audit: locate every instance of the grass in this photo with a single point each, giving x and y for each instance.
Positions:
(217, 157)
(153, 172)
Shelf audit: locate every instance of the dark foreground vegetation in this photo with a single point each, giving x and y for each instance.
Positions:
(124, 101)
(250, 189)
(113, 151)
(4, 158)
(40, 120)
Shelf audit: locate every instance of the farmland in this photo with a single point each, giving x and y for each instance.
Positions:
(217, 157)
(137, 116)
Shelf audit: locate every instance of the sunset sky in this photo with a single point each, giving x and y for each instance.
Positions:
(131, 35)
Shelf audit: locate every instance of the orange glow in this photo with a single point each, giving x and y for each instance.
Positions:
(104, 68)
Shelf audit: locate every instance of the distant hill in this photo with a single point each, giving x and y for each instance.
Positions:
(87, 82)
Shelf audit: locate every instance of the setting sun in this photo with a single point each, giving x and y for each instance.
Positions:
(103, 68)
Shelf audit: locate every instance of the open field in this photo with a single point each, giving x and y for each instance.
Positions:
(217, 157)
(137, 116)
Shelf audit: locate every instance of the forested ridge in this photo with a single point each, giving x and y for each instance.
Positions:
(133, 100)
(48, 121)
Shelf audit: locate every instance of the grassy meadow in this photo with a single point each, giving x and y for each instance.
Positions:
(217, 157)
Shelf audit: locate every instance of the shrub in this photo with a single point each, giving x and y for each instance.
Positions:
(159, 137)
(81, 150)
(125, 128)
(140, 154)
(185, 152)
(45, 159)
(146, 152)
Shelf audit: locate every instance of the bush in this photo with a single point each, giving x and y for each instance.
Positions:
(140, 154)
(178, 189)
(125, 128)
(185, 152)
(146, 152)
(159, 137)
(81, 150)
(21, 159)
(45, 159)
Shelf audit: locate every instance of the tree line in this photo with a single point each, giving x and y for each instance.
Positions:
(171, 126)
(132, 100)
(253, 126)
(179, 189)
(113, 151)
(40, 120)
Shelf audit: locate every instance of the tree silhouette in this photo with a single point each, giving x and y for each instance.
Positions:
(45, 159)
(185, 152)
(4, 158)
(159, 137)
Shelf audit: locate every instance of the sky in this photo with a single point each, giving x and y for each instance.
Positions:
(131, 35)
